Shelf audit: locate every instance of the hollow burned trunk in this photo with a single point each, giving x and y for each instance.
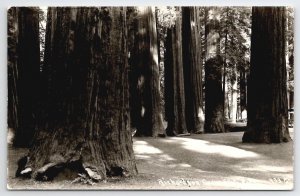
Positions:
(87, 126)
(192, 64)
(174, 82)
(267, 91)
(23, 72)
(214, 99)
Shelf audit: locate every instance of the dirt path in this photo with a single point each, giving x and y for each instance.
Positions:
(208, 161)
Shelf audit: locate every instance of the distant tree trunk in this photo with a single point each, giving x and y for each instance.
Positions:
(158, 35)
(192, 67)
(174, 83)
(234, 93)
(243, 104)
(214, 99)
(267, 98)
(87, 127)
(145, 63)
(225, 86)
(23, 72)
(226, 101)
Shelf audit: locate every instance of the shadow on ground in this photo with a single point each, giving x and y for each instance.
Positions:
(205, 161)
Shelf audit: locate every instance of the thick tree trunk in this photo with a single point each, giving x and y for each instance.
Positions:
(87, 128)
(267, 97)
(192, 64)
(23, 72)
(214, 99)
(12, 67)
(174, 83)
(135, 102)
(145, 63)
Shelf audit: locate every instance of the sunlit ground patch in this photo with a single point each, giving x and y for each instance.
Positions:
(203, 146)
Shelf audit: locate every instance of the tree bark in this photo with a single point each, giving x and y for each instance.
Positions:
(214, 98)
(192, 67)
(23, 72)
(225, 89)
(174, 82)
(87, 127)
(243, 94)
(267, 97)
(234, 92)
(146, 81)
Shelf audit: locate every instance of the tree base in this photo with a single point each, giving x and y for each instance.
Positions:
(67, 171)
(253, 137)
(67, 155)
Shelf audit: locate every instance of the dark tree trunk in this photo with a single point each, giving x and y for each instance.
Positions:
(214, 99)
(23, 72)
(267, 92)
(134, 98)
(174, 83)
(87, 126)
(192, 64)
(146, 76)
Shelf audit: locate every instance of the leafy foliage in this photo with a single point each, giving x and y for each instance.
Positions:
(235, 29)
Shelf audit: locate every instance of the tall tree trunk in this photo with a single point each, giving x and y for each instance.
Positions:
(23, 72)
(226, 101)
(87, 127)
(145, 61)
(225, 89)
(214, 99)
(174, 83)
(135, 102)
(234, 97)
(243, 105)
(267, 98)
(192, 64)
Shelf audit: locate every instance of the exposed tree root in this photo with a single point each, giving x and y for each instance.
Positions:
(183, 134)
(52, 170)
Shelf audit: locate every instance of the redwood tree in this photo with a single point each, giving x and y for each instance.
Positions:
(214, 99)
(192, 64)
(267, 87)
(23, 72)
(145, 77)
(174, 82)
(87, 124)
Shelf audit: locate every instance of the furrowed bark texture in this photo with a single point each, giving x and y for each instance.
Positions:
(267, 92)
(146, 75)
(23, 72)
(192, 64)
(174, 82)
(87, 127)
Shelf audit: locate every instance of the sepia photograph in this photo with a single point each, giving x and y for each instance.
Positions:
(150, 98)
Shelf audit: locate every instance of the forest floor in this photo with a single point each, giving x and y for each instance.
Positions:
(204, 162)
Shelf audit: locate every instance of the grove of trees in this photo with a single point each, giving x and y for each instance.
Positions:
(79, 86)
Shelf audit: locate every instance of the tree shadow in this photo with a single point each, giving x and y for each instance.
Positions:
(215, 159)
